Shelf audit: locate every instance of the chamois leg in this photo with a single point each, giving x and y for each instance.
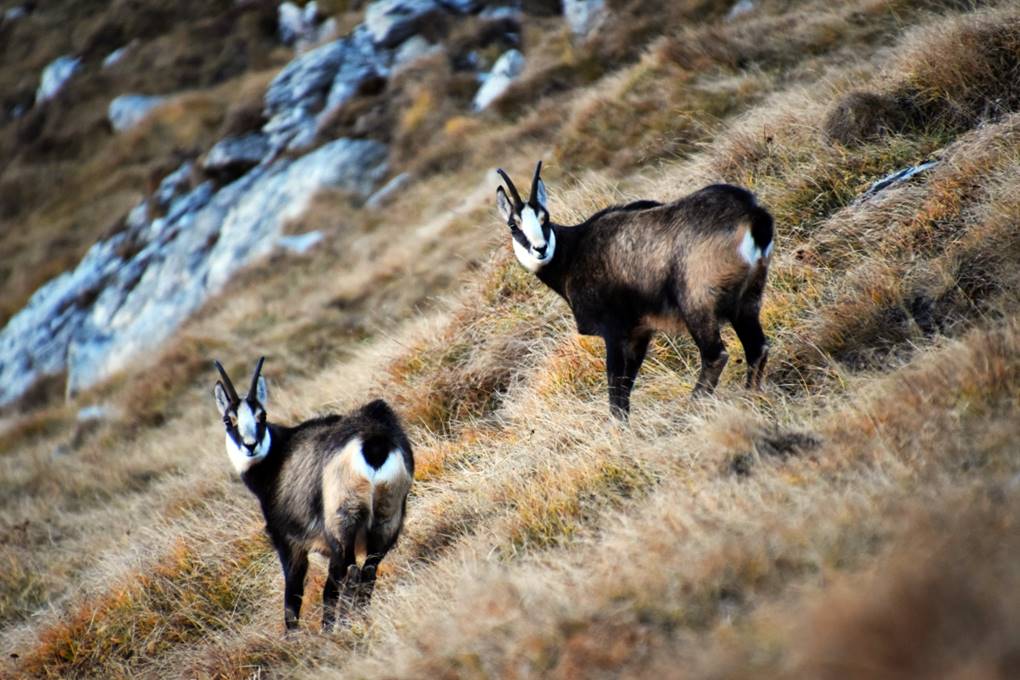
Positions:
(619, 396)
(705, 331)
(338, 565)
(295, 566)
(756, 347)
(634, 351)
(342, 539)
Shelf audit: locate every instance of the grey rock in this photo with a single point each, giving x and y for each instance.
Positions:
(362, 63)
(895, 178)
(291, 22)
(171, 185)
(389, 191)
(740, 8)
(462, 6)
(584, 16)
(500, 13)
(236, 155)
(128, 110)
(55, 77)
(13, 14)
(115, 57)
(299, 244)
(413, 49)
(303, 27)
(305, 80)
(318, 82)
(504, 71)
(392, 21)
(132, 290)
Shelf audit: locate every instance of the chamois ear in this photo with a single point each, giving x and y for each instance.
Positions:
(540, 195)
(506, 208)
(222, 400)
(261, 393)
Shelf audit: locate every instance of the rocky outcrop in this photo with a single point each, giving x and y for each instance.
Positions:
(318, 82)
(134, 289)
(55, 76)
(504, 71)
(128, 110)
(392, 21)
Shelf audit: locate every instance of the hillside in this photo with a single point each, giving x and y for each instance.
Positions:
(858, 518)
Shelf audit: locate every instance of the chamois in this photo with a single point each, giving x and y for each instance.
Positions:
(630, 270)
(337, 485)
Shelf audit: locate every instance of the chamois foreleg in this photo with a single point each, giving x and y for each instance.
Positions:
(294, 562)
(619, 396)
(704, 329)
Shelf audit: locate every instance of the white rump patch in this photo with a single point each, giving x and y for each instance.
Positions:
(240, 457)
(749, 250)
(392, 469)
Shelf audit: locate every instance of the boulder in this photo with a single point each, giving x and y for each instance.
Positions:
(740, 8)
(504, 71)
(132, 290)
(234, 156)
(128, 110)
(55, 76)
(584, 16)
(115, 57)
(392, 21)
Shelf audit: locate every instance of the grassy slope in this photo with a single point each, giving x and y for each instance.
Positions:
(857, 519)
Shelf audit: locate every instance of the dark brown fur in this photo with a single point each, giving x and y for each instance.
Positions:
(631, 270)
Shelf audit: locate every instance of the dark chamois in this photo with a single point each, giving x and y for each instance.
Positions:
(337, 485)
(630, 270)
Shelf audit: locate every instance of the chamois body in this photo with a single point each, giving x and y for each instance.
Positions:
(631, 270)
(336, 485)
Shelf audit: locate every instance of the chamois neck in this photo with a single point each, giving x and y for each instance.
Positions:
(554, 273)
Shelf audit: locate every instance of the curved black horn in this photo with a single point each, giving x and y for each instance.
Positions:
(510, 185)
(255, 378)
(231, 392)
(532, 198)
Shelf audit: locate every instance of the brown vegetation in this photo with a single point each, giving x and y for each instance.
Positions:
(855, 519)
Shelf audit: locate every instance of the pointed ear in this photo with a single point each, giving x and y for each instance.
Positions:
(222, 400)
(540, 195)
(261, 393)
(506, 208)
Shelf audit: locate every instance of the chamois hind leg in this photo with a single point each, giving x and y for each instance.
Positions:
(634, 351)
(704, 329)
(342, 538)
(756, 347)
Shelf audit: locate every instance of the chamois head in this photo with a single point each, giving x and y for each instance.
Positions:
(248, 437)
(534, 240)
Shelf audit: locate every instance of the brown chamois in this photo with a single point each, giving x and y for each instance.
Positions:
(337, 485)
(630, 270)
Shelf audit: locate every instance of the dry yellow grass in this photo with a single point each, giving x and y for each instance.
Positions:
(855, 519)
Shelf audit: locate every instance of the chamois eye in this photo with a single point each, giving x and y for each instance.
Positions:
(233, 419)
